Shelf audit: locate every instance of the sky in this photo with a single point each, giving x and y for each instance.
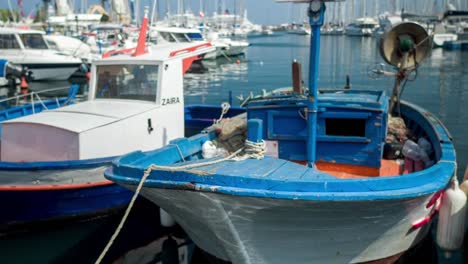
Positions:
(269, 12)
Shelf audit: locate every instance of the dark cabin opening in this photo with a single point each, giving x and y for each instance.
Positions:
(345, 127)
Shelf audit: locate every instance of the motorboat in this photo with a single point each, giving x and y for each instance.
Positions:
(364, 27)
(29, 49)
(299, 29)
(313, 175)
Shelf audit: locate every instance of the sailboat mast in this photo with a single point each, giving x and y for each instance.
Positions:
(153, 11)
(168, 8)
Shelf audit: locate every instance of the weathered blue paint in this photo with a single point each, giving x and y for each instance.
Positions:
(254, 130)
(281, 179)
(316, 21)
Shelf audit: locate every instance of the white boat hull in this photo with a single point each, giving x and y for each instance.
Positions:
(55, 73)
(258, 230)
(236, 50)
(299, 31)
(439, 39)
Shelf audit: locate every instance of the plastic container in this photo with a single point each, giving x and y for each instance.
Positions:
(451, 225)
(425, 145)
(413, 151)
(209, 150)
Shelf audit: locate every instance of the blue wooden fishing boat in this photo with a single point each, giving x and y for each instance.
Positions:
(320, 178)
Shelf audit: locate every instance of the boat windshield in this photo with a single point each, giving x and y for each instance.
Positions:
(127, 81)
(33, 41)
(8, 41)
(174, 37)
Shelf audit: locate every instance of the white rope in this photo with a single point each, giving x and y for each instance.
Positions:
(124, 218)
(224, 109)
(251, 150)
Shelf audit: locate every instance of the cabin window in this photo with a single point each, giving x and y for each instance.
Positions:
(33, 41)
(52, 44)
(345, 127)
(128, 81)
(167, 36)
(181, 37)
(8, 41)
(195, 36)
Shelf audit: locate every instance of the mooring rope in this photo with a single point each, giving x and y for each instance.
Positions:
(224, 109)
(254, 150)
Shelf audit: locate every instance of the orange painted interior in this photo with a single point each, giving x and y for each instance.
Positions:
(346, 171)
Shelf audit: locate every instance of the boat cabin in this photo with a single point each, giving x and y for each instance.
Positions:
(351, 126)
(130, 100)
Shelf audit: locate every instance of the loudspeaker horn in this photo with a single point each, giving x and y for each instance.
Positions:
(405, 45)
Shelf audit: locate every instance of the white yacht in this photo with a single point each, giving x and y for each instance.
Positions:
(29, 49)
(224, 46)
(299, 29)
(364, 26)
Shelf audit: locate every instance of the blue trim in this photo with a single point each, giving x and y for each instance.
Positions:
(24, 207)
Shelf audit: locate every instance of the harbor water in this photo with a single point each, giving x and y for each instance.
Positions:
(440, 85)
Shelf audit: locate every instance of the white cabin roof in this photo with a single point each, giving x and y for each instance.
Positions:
(87, 115)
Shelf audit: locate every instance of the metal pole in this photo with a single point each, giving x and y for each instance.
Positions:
(316, 21)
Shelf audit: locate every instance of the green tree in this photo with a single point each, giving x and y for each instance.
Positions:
(6, 15)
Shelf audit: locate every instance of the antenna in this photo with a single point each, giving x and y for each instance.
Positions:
(141, 46)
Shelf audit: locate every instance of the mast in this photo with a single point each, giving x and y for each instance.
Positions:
(168, 8)
(153, 11)
(316, 14)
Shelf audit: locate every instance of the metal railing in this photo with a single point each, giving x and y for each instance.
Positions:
(22, 99)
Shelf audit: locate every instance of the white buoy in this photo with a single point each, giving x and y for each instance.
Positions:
(209, 150)
(451, 225)
(166, 219)
(464, 184)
